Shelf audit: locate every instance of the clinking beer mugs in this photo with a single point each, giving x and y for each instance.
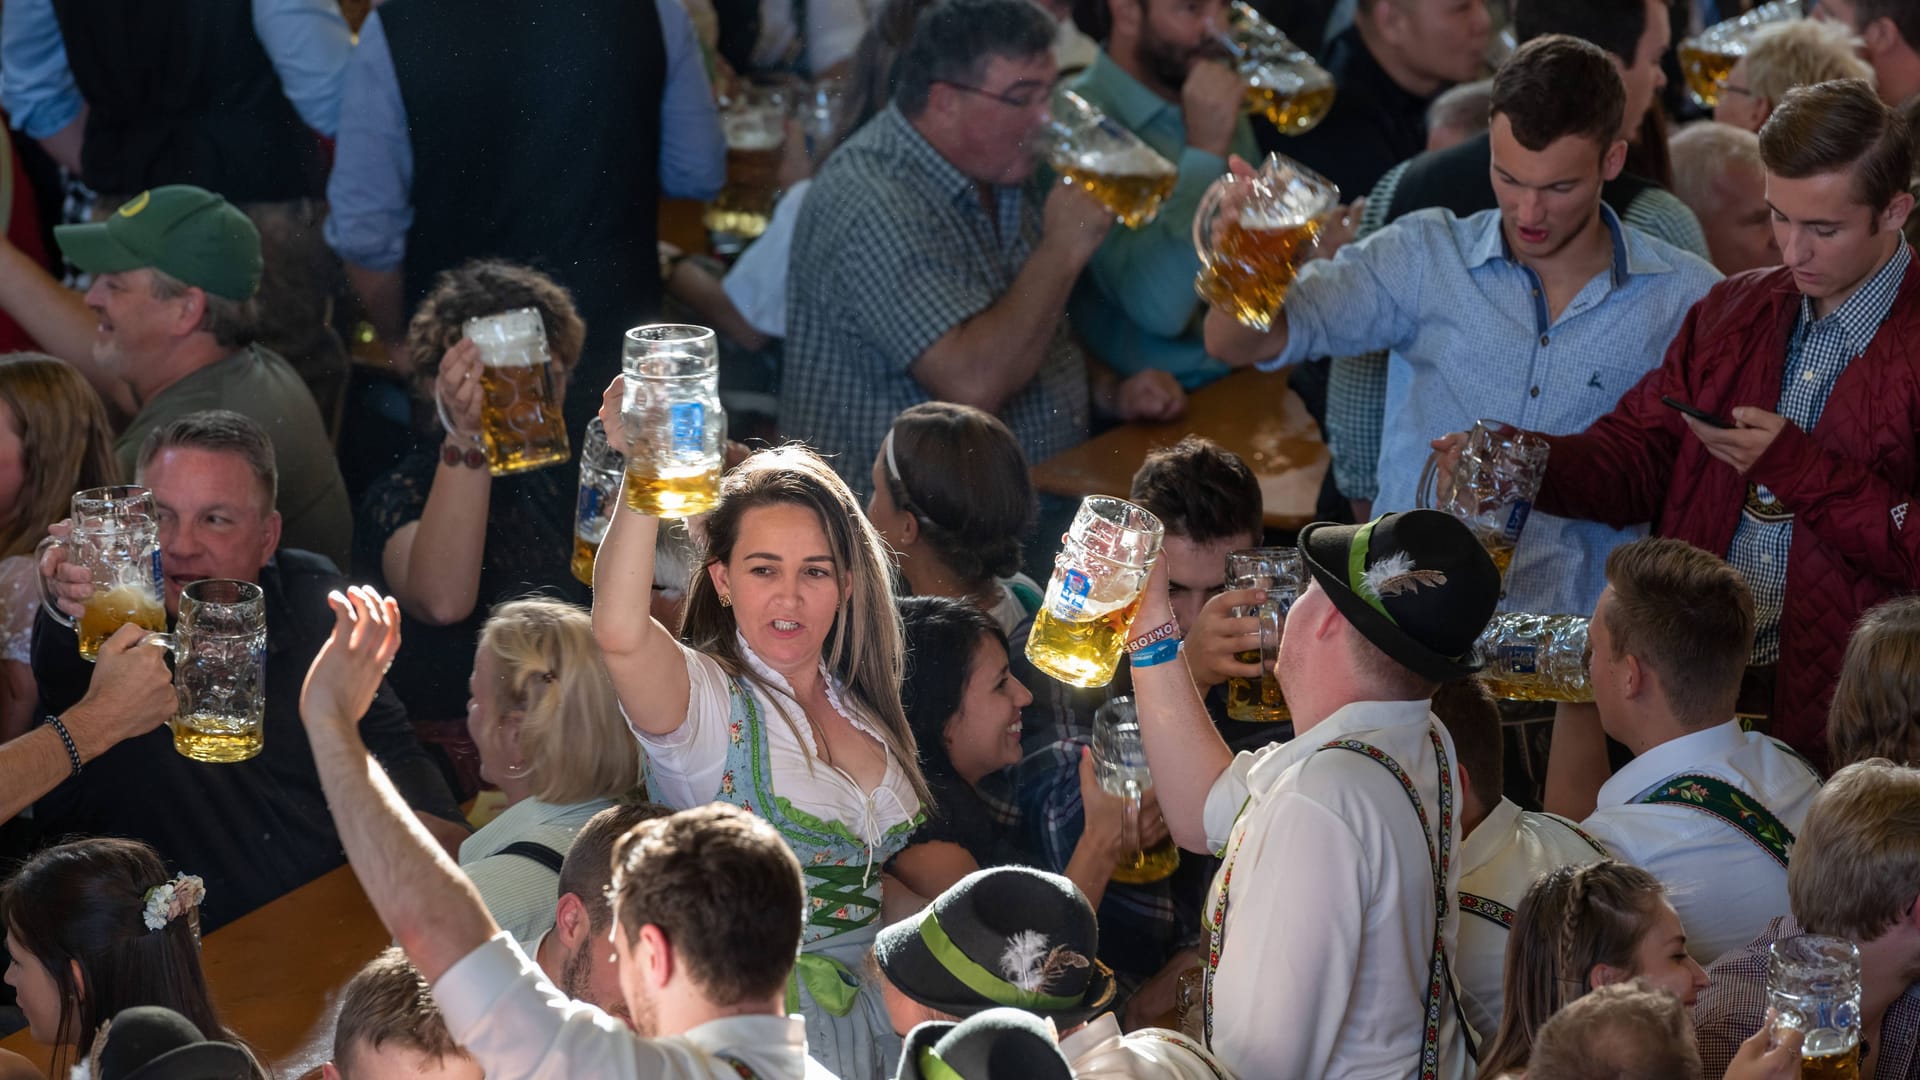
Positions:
(1110, 162)
(675, 425)
(1708, 57)
(521, 426)
(1120, 765)
(1098, 578)
(1280, 572)
(219, 645)
(1252, 234)
(1492, 486)
(116, 536)
(1283, 81)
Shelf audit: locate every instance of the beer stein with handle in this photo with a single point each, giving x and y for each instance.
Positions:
(1283, 81)
(116, 536)
(1707, 58)
(753, 118)
(1491, 487)
(676, 429)
(521, 426)
(219, 647)
(601, 467)
(1252, 234)
(1813, 986)
(1120, 765)
(1088, 149)
(1280, 572)
(1098, 578)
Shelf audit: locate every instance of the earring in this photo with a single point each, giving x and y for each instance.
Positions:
(516, 771)
(726, 600)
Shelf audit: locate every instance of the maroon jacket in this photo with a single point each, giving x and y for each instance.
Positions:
(1850, 482)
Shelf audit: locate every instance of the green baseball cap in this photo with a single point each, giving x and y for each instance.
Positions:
(183, 231)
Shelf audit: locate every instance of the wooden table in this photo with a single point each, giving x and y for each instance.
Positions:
(1251, 413)
(276, 973)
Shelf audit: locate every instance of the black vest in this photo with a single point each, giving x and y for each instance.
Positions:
(535, 129)
(181, 92)
(1459, 179)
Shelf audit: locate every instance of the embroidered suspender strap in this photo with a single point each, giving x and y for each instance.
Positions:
(1487, 908)
(740, 1068)
(1215, 927)
(1584, 835)
(1735, 808)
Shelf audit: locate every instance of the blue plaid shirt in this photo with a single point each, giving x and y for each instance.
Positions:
(894, 249)
(1469, 335)
(1819, 350)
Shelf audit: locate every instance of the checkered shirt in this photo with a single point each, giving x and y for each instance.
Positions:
(894, 249)
(1817, 353)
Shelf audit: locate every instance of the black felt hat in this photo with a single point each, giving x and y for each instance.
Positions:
(1003, 936)
(999, 1044)
(1415, 584)
(148, 1042)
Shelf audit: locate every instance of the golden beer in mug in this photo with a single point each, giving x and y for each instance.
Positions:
(1291, 111)
(676, 427)
(1089, 150)
(521, 426)
(1280, 574)
(1256, 700)
(1490, 488)
(1840, 1065)
(1705, 68)
(1284, 83)
(108, 611)
(671, 493)
(754, 121)
(1098, 578)
(1120, 767)
(1134, 199)
(1145, 867)
(1080, 651)
(1257, 264)
(219, 645)
(601, 470)
(1528, 657)
(115, 535)
(1813, 986)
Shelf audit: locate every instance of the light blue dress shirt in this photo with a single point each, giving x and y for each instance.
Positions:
(370, 191)
(1470, 338)
(307, 40)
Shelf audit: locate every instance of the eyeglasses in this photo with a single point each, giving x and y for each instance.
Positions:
(1024, 97)
(1729, 88)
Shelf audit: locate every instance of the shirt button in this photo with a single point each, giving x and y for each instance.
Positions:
(1535, 392)
(1543, 339)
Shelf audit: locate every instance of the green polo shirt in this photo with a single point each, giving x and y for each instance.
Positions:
(1135, 307)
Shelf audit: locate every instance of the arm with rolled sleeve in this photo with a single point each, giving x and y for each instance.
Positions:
(1149, 271)
(309, 43)
(1365, 299)
(693, 152)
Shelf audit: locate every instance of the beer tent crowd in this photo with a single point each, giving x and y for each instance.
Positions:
(570, 463)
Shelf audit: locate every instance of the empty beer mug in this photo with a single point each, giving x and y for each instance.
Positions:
(754, 120)
(1283, 81)
(675, 425)
(1492, 486)
(521, 426)
(1252, 234)
(1707, 58)
(219, 648)
(116, 536)
(1120, 765)
(601, 467)
(1281, 573)
(1081, 628)
(1813, 986)
(1088, 149)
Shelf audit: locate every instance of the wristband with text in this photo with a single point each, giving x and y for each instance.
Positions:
(1165, 630)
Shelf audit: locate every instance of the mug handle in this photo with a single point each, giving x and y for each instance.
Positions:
(48, 602)
(1425, 494)
(162, 641)
(1130, 824)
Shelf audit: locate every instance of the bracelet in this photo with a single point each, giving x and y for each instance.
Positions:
(73, 752)
(1157, 653)
(1159, 633)
(471, 457)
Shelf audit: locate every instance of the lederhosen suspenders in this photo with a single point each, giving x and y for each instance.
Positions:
(1440, 859)
(1734, 808)
(1486, 907)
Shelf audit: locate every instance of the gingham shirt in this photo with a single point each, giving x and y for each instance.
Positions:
(1734, 1006)
(893, 250)
(1818, 351)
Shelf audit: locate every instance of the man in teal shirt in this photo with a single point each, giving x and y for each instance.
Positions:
(1160, 75)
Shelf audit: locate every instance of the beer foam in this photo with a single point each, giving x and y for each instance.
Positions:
(751, 134)
(1262, 218)
(1133, 159)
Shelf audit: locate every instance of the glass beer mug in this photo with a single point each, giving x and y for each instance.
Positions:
(219, 646)
(1281, 573)
(1252, 234)
(116, 536)
(754, 120)
(1110, 162)
(1491, 488)
(1098, 577)
(676, 427)
(1707, 58)
(601, 467)
(1283, 81)
(1813, 986)
(521, 426)
(1120, 765)
(1535, 657)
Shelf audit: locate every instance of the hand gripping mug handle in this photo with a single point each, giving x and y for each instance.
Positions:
(49, 602)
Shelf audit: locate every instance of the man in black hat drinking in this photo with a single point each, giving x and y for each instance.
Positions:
(1332, 919)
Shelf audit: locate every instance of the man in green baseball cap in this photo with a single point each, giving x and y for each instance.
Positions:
(175, 271)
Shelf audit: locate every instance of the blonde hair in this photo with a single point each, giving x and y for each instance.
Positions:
(864, 647)
(575, 744)
(1704, 150)
(1801, 53)
(66, 439)
(1855, 869)
(1626, 1031)
(1876, 706)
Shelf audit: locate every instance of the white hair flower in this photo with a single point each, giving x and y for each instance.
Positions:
(169, 900)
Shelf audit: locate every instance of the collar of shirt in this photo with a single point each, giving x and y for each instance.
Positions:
(1863, 312)
(1127, 100)
(1353, 720)
(1092, 1035)
(899, 135)
(1488, 837)
(1693, 750)
(732, 1034)
(779, 682)
(1628, 260)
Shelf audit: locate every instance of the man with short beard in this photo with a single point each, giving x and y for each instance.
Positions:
(1161, 77)
(576, 954)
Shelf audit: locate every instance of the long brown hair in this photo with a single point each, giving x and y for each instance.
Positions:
(1876, 705)
(863, 647)
(1570, 920)
(67, 441)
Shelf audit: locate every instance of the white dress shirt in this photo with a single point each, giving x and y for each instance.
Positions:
(1720, 881)
(517, 1025)
(1329, 933)
(1501, 858)
(519, 892)
(1099, 1051)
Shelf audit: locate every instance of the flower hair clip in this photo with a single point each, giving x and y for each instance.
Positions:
(170, 900)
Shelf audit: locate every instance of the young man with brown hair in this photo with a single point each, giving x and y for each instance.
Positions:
(1805, 480)
(1708, 808)
(389, 1027)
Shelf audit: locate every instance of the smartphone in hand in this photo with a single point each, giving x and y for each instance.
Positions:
(1696, 412)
